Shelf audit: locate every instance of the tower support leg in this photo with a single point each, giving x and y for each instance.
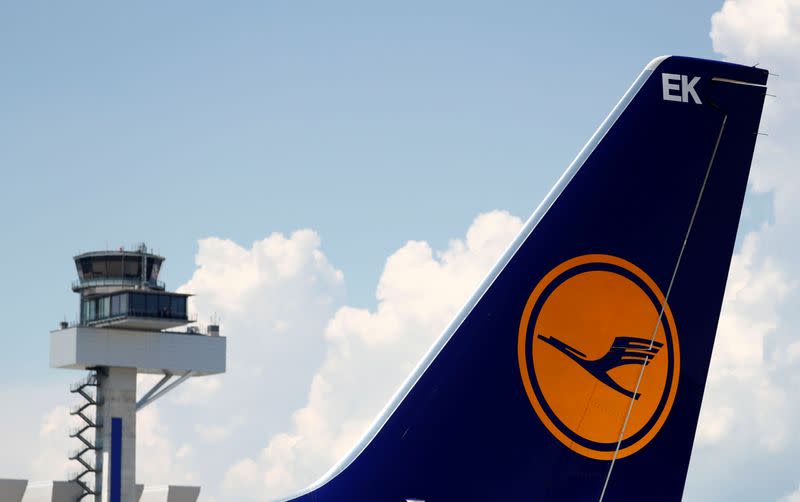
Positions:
(116, 413)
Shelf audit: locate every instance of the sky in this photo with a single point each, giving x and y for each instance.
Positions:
(313, 171)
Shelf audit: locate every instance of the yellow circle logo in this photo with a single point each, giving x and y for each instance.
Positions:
(591, 347)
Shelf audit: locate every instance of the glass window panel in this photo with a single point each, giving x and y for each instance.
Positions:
(115, 305)
(152, 305)
(153, 271)
(178, 306)
(114, 266)
(137, 305)
(89, 310)
(133, 268)
(86, 268)
(123, 303)
(103, 307)
(164, 305)
(99, 267)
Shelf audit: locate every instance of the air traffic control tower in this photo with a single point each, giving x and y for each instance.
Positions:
(129, 324)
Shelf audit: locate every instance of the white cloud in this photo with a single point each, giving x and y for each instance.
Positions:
(184, 451)
(742, 392)
(218, 432)
(159, 461)
(370, 352)
(242, 480)
(54, 445)
(767, 32)
(750, 409)
(274, 298)
(756, 288)
(36, 443)
(754, 31)
(715, 423)
(791, 497)
(273, 301)
(198, 390)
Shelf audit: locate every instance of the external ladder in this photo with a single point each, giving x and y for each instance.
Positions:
(89, 425)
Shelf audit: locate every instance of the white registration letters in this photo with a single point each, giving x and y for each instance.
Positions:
(679, 88)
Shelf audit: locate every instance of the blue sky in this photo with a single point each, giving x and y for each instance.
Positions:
(370, 123)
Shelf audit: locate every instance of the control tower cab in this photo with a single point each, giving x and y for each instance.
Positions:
(121, 289)
(128, 324)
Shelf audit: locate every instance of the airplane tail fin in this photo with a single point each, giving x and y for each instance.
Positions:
(577, 370)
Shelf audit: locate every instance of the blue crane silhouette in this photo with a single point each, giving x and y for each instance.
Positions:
(624, 350)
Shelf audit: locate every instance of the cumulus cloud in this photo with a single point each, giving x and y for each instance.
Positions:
(370, 352)
(159, 460)
(750, 409)
(218, 433)
(753, 31)
(36, 443)
(275, 296)
(791, 497)
(755, 291)
(742, 392)
(763, 275)
(273, 300)
(767, 32)
(53, 445)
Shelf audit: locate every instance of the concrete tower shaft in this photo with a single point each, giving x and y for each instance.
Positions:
(116, 393)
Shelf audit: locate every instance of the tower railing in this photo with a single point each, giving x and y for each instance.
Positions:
(116, 281)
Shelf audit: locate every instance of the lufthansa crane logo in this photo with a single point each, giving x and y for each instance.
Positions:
(593, 347)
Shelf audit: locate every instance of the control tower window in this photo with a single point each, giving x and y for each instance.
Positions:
(115, 310)
(153, 267)
(114, 265)
(163, 305)
(152, 305)
(89, 313)
(138, 305)
(178, 306)
(97, 269)
(103, 307)
(133, 268)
